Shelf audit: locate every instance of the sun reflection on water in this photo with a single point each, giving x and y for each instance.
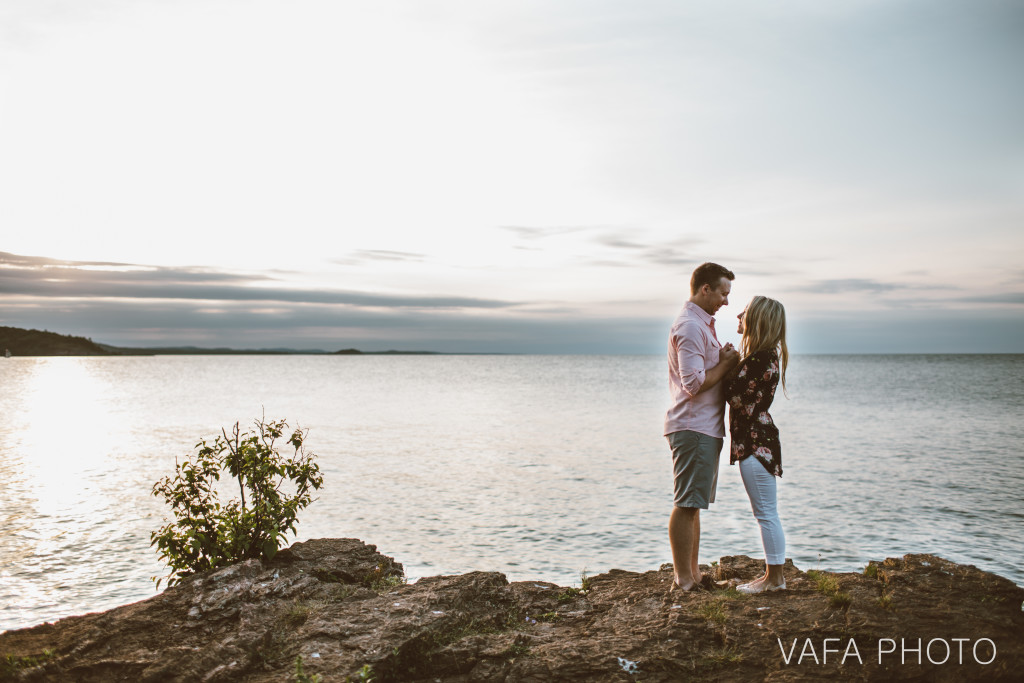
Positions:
(64, 438)
(54, 454)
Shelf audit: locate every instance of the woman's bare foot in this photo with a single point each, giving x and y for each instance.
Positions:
(761, 585)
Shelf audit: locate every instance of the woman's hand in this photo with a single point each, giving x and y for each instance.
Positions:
(729, 357)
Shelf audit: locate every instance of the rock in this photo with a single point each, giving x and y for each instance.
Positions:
(342, 607)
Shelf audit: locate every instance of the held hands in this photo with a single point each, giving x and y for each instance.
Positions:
(729, 356)
(728, 359)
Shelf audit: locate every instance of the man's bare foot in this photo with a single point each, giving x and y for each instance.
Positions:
(684, 587)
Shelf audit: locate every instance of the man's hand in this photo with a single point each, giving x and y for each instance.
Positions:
(728, 359)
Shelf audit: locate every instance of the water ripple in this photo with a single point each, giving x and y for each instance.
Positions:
(539, 467)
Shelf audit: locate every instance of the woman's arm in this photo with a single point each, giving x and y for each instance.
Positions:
(742, 387)
(727, 361)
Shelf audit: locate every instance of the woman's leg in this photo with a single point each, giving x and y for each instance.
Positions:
(761, 489)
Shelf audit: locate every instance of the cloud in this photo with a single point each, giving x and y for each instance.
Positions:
(534, 233)
(318, 326)
(867, 285)
(847, 285)
(625, 242)
(920, 296)
(908, 331)
(40, 277)
(315, 326)
(386, 255)
(677, 252)
(371, 255)
(950, 298)
(19, 261)
(619, 241)
(609, 263)
(1005, 298)
(670, 257)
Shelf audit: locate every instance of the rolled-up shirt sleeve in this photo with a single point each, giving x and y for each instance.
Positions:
(690, 353)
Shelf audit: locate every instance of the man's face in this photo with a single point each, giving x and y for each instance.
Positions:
(719, 296)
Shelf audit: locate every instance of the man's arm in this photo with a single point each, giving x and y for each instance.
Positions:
(690, 358)
(728, 359)
(690, 350)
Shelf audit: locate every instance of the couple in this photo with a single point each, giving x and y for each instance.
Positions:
(703, 377)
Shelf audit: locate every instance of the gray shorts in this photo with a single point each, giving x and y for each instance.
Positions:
(695, 468)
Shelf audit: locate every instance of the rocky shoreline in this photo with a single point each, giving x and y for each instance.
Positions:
(338, 610)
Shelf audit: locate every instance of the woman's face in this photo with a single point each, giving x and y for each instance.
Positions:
(740, 317)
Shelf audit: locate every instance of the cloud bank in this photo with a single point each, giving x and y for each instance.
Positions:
(128, 304)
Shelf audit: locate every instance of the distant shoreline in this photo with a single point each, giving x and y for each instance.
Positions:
(221, 351)
(41, 343)
(16, 341)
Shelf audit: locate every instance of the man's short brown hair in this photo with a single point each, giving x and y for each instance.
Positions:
(709, 274)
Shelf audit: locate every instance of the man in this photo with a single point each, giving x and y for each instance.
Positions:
(695, 423)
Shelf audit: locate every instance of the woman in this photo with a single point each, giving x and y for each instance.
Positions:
(755, 439)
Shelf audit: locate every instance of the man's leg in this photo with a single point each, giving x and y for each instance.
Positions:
(684, 537)
(694, 567)
(695, 474)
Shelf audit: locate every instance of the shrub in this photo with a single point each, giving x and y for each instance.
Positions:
(840, 600)
(300, 673)
(714, 612)
(829, 585)
(208, 533)
(12, 665)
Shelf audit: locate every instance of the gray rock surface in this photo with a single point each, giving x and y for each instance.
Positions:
(344, 609)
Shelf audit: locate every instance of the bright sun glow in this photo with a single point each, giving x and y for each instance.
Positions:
(66, 435)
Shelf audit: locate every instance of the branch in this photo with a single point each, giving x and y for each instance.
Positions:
(234, 452)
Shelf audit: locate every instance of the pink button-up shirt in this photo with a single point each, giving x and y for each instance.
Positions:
(693, 349)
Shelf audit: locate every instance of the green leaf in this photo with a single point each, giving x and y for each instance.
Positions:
(207, 533)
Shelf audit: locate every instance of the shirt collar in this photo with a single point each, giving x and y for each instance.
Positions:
(700, 312)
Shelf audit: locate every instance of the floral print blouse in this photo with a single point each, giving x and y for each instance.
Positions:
(749, 394)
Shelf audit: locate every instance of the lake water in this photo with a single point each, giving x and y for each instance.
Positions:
(536, 466)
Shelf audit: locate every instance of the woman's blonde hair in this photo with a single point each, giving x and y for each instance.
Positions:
(764, 327)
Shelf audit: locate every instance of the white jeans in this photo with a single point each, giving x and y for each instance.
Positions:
(760, 485)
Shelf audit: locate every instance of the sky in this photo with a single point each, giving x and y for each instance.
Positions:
(511, 177)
